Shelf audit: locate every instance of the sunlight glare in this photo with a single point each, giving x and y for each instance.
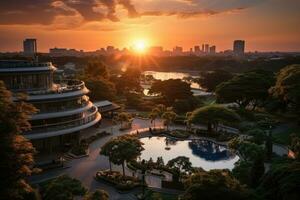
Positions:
(140, 46)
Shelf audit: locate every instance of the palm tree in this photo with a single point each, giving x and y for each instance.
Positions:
(154, 115)
(169, 116)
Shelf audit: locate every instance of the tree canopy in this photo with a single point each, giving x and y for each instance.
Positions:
(171, 90)
(214, 185)
(63, 188)
(287, 86)
(211, 79)
(16, 152)
(249, 88)
(282, 182)
(213, 114)
(121, 149)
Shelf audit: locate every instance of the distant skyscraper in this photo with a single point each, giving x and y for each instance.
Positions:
(239, 47)
(202, 48)
(206, 50)
(197, 49)
(212, 49)
(177, 50)
(29, 47)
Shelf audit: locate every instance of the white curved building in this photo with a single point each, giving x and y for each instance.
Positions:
(64, 107)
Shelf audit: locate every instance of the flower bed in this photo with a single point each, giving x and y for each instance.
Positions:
(119, 181)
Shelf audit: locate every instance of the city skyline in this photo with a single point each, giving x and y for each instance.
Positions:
(271, 25)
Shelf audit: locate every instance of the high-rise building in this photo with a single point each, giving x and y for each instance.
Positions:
(64, 109)
(212, 49)
(202, 49)
(239, 47)
(197, 49)
(206, 48)
(29, 47)
(177, 51)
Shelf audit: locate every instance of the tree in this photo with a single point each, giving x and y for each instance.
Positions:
(102, 89)
(154, 114)
(171, 90)
(121, 149)
(169, 116)
(63, 188)
(287, 87)
(213, 115)
(180, 164)
(214, 185)
(282, 182)
(95, 70)
(16, 152)
(250, 88)
(123, 117)
(128, 81)
(97, 195)
(257, 170)
(97, 80)
(211, 79)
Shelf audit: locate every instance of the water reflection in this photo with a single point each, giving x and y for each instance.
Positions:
(205, 154)
(209, 150)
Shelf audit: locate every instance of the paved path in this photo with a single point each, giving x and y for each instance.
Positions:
(85, 168)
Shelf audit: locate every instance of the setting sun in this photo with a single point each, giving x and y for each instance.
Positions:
(140, 46)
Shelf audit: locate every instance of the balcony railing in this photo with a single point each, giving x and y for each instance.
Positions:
(62, 87)
(89, 117)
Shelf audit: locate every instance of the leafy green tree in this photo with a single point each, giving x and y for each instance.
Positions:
(63, 188)
(257, 170)
(97, 195)
(213, 115)
(122, 149)
(250, 88)
(241, 171)
(168, 116)
(282, 182)
(287, 87)
(153, 115)
(128, 81)
(211, 79)
(258, 136)
(122, 118)
(214, 185)
(101, 89)
(171, 90)
(97, 80)
(180, 164)
(16, 152)
(95, 70)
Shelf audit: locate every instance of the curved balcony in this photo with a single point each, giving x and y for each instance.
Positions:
(65, 89)
(61, 128)
(13, 66)
(62, 113)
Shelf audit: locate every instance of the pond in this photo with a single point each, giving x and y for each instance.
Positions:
(202, 153)
(195, 87)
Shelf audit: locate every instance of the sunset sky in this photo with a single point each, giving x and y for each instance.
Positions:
(266, 25)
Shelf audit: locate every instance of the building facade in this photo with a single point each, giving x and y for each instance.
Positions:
(239, 47)
(29, 47)
(63, 107)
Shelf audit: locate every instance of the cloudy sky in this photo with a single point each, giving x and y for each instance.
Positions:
(90, 24)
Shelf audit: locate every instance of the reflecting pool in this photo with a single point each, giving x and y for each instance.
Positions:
(202, 153)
